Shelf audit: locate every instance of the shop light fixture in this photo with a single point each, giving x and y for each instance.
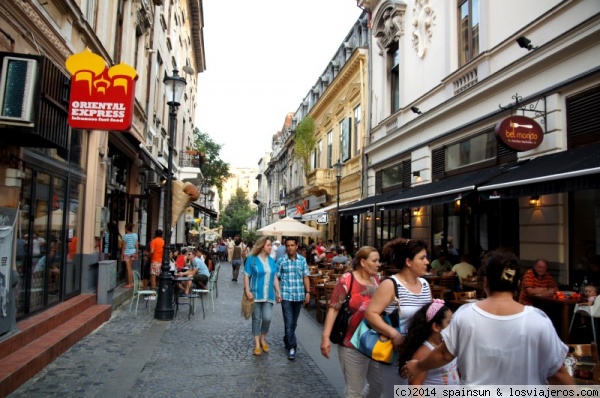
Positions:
(417, 212)
(535, 201)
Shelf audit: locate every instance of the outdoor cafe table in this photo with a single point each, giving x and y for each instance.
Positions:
(553, 307)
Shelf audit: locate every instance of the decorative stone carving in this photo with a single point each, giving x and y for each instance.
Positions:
(49, 34)
(388, 26)
(423, 22)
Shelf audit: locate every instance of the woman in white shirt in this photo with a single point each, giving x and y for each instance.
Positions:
(499, 341)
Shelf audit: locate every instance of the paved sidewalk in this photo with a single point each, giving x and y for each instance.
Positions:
(140, 357)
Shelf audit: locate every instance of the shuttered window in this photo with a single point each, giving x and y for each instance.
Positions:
(583, 117)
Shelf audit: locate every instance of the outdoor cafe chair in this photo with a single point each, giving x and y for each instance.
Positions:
(137, 293)
(211, 289)
(592, 311)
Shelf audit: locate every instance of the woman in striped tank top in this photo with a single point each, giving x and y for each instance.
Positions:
(410, 257)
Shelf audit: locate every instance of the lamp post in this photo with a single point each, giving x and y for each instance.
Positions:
(338, 175)
(174, 86)
(205, 192)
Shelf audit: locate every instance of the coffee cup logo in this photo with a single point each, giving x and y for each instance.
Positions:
(102, 98)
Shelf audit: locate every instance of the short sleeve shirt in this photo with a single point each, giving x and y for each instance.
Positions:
(292, 273)
(129, 241)
(158, 245)
(262, 276)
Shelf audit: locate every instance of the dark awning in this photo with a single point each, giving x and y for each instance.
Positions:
(150, 161)
(367, 204)
(203, 209)
(575, 169)
(441, 191)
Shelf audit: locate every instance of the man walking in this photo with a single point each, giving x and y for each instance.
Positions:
(293, 291)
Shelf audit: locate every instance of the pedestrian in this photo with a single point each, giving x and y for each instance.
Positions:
(230, 246)
(498, 340)
(360, 371)
(130, 252)
(261, 283)
(236, 259)
(294, 291)
(157, 249)
(412, 292)
(425, 333)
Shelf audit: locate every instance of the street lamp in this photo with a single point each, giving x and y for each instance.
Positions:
(338, 175)
(174, 86)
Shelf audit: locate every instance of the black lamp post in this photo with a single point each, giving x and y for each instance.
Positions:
(164, 305)
(338, 175)
(205, 192)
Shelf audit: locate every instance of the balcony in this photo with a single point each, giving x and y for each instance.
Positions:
(320, 181)
(190, 164)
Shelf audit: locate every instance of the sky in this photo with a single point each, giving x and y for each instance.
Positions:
(262, 58)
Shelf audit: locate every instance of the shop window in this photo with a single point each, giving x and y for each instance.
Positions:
(584, 240)
(468, 37)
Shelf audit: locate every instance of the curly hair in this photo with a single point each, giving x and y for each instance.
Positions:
(400, 249)
(419, 331)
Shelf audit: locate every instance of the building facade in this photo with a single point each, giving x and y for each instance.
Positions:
(444, 75)
(67, 192)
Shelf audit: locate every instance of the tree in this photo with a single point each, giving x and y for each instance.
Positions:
(235, 214)
(214, 170)
(305, 141)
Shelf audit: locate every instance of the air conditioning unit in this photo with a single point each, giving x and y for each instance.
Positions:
(19, 79)
(153, 179)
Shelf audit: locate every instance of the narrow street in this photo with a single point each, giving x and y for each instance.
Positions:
(139, 357)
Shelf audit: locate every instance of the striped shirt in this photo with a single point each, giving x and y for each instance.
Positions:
(262, 276)
(292, 274)
(410, 303)
(129, 241)
(532, 280)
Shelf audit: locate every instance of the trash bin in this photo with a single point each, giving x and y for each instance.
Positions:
(107, 281)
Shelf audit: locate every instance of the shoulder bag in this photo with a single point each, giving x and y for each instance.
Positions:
(340, 325)
(247, 304)
(371, 343)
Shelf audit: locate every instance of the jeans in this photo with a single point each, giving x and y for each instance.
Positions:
(235, 265)
(362, 374)
(291, 311)
(261, 318)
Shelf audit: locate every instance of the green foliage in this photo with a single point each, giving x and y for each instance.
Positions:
(214, 169)
(250, 236)
(235, 214)
(305, 141)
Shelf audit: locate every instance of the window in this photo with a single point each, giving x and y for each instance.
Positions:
(329, 149)
(391, 176)
(319, 152)
(90, 12)
(394, 60)
(345, 142)
(468, 14)
(357, 120)
(473, 150)
(313, 159)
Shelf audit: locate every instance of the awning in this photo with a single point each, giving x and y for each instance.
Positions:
(367, 203)
(203, 209)
(575, 169)
(441, 191)
(151, 161)
(315, 214)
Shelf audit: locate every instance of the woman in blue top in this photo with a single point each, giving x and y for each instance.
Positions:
(261, 283)
(130, 250)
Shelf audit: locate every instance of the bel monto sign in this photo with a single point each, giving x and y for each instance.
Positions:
(101, 98)
(520, 133)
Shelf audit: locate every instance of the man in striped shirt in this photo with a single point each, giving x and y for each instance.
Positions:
(294, 290)
(537, 281)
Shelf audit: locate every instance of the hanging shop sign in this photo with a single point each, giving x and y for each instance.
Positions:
(520, 133)
(101, 98)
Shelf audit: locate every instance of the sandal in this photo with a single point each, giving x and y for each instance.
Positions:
(127, 286)
(257, 351)
(265, 346)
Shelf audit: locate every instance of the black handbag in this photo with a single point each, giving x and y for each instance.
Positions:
(340, 325)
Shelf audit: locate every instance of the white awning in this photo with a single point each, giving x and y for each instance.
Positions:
(313, 215)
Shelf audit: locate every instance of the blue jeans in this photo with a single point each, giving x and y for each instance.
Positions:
(261, 318)
(291, 311)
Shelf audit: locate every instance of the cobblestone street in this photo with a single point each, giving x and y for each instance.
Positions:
(139, 357)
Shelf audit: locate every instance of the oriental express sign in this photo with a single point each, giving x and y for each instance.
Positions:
(101, 98)
(520, 133)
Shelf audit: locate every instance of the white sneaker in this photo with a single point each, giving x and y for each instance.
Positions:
(150, 298)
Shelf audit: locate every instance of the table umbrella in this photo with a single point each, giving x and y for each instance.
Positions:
(288, 227)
